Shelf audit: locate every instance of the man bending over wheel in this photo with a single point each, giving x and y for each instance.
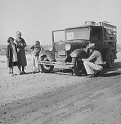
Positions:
(94, 63)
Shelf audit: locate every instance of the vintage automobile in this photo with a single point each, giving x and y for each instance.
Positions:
(69, 51)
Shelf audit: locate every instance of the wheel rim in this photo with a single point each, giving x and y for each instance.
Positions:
(79, 66)
(47, 66)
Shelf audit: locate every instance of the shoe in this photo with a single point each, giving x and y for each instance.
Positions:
(13, 74)
(90, 75)
(10, 72)
(33, 72)
(38, 71)
(23, 72)
(98, 73)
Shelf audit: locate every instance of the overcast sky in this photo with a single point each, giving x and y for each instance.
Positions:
(37, 18)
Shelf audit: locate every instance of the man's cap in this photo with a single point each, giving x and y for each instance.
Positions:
(91, 45)
(38, 42)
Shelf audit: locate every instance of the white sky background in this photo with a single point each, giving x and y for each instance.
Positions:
(37, 18)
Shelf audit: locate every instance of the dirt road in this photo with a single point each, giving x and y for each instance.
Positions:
(61, 98)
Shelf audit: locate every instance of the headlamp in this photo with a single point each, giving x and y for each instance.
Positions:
(51, 48)
(67, 47)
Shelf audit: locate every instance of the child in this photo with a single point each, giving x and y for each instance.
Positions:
(35, 56)
(11, 54)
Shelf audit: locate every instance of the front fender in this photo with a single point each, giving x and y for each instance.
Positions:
(77, 52)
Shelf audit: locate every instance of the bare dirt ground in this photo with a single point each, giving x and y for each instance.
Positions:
(61, 98)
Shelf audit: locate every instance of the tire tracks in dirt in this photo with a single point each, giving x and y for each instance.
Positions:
(60, 104)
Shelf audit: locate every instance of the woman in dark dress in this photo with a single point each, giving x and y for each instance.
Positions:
(11, 54)
(21, 44)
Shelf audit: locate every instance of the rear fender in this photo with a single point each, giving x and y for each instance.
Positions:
(107, 51)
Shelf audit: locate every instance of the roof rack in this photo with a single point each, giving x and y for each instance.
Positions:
(109, 26)
(106, 24)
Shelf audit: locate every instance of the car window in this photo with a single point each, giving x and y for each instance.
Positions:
(59, 36)
(96, 34)
(76, 34)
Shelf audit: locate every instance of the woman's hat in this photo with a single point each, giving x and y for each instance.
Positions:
(91, 45)
(18, 32)
(10, 38)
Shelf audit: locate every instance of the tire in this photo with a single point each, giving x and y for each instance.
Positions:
(46, 68)
(78, 64)
(110, 59)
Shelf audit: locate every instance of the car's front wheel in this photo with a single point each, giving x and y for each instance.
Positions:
(78, 64)
(45, 67)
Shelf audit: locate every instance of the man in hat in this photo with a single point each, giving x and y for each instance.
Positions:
(94, 63)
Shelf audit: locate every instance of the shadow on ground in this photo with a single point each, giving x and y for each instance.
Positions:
(108, 72)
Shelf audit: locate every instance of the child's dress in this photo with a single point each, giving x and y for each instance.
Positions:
(12, 59)
(15, 59)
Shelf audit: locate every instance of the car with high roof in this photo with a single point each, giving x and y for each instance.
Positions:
(69, 46)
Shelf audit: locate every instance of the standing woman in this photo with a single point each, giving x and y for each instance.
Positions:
(21, 44)
(11, 55)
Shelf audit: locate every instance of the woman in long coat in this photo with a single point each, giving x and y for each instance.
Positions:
(11, 54)
(21, 44)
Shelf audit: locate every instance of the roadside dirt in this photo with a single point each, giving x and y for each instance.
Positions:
(61, 98)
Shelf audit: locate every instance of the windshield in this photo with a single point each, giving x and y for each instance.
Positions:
(80, 33)
(59, 36)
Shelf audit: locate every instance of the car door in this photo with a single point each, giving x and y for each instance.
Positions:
(97, 38)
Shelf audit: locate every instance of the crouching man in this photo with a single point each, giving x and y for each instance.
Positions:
(94, 63)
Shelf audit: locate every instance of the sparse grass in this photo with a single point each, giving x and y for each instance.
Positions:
(27, 49)
(46, 47)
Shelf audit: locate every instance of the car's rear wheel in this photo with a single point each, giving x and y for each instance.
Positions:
(45, 67)
(110, 59)
(78, 64)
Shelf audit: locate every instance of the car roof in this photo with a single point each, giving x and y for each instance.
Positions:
(84, 26)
